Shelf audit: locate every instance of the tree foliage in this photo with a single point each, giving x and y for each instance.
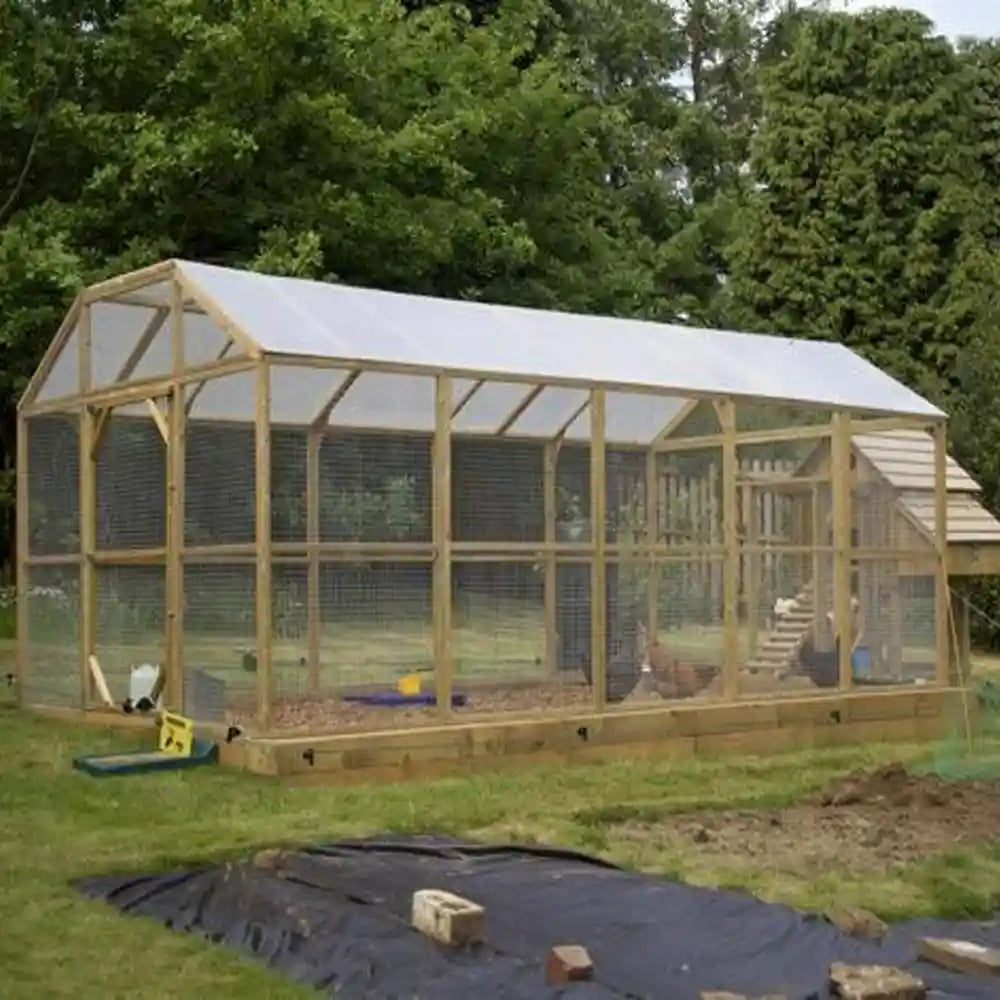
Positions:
(755, 163)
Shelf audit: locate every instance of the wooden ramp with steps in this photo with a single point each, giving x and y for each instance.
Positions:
(777, 650)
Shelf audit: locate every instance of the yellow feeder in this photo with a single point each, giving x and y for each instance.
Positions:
(409, 684)
(176, 734)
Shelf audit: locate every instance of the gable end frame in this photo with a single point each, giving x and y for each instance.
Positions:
(118, 289)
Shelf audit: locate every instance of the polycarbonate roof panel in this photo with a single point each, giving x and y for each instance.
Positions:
(489, 405)
(228, 397)
(298, 395)
(64, 375)
(298, 317)
(388, 401)
(204, 342)
(554, 408)
(115, 331)
(630, 417)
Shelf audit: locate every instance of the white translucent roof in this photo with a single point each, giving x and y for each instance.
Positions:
(500, 358)
(293, 316)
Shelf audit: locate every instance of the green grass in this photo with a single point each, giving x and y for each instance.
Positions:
(57, 825)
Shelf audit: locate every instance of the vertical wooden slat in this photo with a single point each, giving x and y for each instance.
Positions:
(262, 420)
(598, 575)
(964, 630)
(652, 537)
(23, 548)
(943, 672)
(713, 572)
(174, 690)
(84, 353)
(441, 532)
(842, 545)
(550, 456)
(731, 549)
(752, 561)
(88, 513)
(817, 540)
(313, 445)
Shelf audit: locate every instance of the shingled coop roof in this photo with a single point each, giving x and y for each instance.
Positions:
(905, 459)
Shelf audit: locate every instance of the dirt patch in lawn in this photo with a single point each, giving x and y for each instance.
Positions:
(865, 822)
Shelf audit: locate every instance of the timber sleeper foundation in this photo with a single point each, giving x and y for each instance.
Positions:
(754, 728)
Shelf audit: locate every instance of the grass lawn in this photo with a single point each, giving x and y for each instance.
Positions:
(57, 825)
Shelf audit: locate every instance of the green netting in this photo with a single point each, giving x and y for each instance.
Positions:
(971, 749)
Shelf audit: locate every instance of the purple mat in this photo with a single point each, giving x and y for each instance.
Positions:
(390, 699)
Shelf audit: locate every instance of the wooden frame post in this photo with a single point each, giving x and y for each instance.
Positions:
(177, 421)
(88, 514)
(652, 537)
(262, 480)
(963, 635)
(817, 525)
(314, 443)
(943, 673)
(842, 544)
(441, 536)
(598, 541)
(726, 411)
(751, 588)
(550, 457)
(22, 552)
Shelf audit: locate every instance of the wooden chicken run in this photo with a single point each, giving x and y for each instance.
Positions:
(383, 534)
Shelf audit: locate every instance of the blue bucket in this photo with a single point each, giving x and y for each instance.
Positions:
(861, 662)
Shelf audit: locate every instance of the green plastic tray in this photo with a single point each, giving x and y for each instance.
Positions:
(145, 761)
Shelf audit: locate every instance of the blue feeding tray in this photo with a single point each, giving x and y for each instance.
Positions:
(145, 761)
(394, 699)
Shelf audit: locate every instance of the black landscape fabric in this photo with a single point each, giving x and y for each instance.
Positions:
(336, 917)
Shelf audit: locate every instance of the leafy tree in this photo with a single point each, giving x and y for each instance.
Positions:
(347, 139)
(855, 227)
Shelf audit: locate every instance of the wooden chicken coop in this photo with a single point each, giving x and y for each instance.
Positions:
(381, 533)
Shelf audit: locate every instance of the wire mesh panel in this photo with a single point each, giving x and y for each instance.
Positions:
(629, 523)
(497, 491)
(131, 623)
(572, 489)
(779, 639)
(375, 488)
(784, 503)
(131, 478)
(572, 618)
(290, 641)
(373, 666)
(53, 484)
(627, 584)
(52, 672)
(893, 621)
(220, 641)
(876, 520)
(220, 462)
(687, 646)
(695, 418)
(780, 417)
(630, 526)
(689, 500)
(499, 641)
(289, 485)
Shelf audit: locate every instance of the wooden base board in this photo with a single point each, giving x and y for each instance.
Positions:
(750, 728)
